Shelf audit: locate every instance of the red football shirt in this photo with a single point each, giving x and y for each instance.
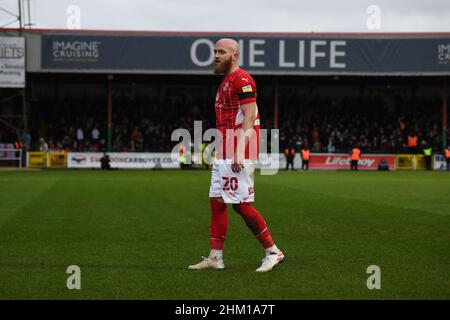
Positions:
(237, 88)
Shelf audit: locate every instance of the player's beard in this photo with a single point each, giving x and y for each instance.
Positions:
(224, 67)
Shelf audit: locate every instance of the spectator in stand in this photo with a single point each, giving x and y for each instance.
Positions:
(402, 124)
(80, 138)
(67, 143)
(43, 146)
(331, 147)
(25, 140)
(95, 134)
(118, 142)
(412, 143)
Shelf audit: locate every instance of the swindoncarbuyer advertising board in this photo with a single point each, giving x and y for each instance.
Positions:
(322, 161)
(123, 160)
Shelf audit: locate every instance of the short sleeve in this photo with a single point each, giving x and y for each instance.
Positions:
(246, 89)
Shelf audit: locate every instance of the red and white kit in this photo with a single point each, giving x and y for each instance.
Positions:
(237, 89)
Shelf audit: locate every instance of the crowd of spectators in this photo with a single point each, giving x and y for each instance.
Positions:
(375, 124)
(138, 125)
(325, 124)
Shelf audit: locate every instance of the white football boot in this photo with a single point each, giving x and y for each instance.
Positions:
(208, 263)
(270, 261)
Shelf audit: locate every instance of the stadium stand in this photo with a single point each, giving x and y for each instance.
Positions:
(75, 84)
(326, 124)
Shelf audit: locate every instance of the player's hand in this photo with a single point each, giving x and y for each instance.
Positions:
(237, 167)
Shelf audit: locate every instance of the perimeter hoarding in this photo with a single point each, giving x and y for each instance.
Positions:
(57, 159)
(12, 62)
(123, 160)
(341, 161)
(411, 162)
(439, 162)
(36, 159)
(321, 161)
(308, 54)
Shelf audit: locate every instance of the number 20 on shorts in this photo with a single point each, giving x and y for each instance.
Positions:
(230, 183)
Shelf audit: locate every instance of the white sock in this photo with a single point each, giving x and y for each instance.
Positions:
(273, 249)
(216, 254)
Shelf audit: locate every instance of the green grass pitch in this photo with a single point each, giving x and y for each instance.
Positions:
(133, 234)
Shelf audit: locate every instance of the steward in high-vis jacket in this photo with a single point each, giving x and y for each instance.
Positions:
(447, 157)
(355, 156)
(289, 153)
(427, 152)
(305, 158)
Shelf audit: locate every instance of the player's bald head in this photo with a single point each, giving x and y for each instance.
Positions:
(228, 43)
(226, 53)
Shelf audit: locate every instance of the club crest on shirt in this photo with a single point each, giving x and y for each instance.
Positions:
(247, 88)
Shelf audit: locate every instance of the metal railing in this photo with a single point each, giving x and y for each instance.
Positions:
(5, 152)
